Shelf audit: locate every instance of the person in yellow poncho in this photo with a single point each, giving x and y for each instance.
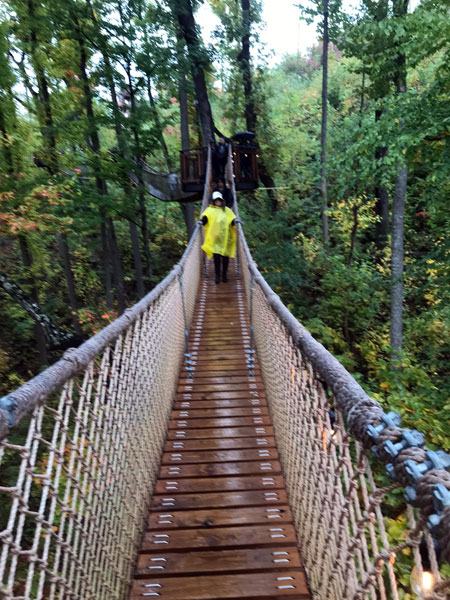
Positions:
(220, 235)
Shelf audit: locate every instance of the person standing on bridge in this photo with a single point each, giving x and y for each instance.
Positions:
(220, 235)
(220, 158)
(172, 178)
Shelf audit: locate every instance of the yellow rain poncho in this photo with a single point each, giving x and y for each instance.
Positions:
(220, 235)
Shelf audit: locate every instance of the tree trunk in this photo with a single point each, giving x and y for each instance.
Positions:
(134, 236)
(323, 133)
(43, 106)
(159, 128)
(187, 208)
(182, 10)
(250, 110)
(184, 112)
(39, 333)
(354, 231)
(400, 9)
(382, 85)
(109, 241)
(141, 190)
(70, 280)
(398, 211)
(382, 201)
(106, 263)
(244, 62)
(4, 143)
(268, 183)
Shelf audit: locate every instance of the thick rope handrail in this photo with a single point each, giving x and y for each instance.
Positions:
(423, 474)
(429, 487)
(22, 401)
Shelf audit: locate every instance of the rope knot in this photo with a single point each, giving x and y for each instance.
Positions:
(71, 355)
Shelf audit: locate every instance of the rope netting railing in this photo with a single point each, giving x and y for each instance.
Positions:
(358, 536)
(83, 446)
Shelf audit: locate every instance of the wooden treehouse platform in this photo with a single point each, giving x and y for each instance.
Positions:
(219, 525)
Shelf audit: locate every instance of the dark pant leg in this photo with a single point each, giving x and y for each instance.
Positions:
(217, 261)
(222, 165)
(225, 261)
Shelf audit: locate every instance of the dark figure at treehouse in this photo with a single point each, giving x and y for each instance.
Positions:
(220, 157)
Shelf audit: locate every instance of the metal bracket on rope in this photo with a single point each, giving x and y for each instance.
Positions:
(251, 351)
(187, 354)
(437, 462)
(9, 405)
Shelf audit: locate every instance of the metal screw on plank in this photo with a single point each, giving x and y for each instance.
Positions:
(187, 354)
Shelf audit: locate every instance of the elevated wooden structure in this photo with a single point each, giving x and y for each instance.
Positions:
(219, 525)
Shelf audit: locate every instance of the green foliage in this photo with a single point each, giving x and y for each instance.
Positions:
(53, 179)
(343, 295)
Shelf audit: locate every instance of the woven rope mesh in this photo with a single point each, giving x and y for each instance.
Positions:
(357, 538)
(77, 479)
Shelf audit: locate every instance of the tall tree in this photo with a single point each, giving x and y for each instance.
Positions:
(187, 208)
(251, 118)
(324, 125)
(328, 11)
(199, 63)
(110, 248)
(400, 10)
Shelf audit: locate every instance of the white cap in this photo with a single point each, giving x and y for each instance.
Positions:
(217, 195)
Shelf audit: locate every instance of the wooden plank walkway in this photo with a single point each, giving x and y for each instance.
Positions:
(220, 526)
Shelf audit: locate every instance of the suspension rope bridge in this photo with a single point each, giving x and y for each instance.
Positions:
(204, 446)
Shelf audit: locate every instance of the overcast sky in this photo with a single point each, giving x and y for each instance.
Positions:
(284, 32)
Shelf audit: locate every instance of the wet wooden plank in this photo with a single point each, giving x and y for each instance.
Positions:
(227, 395)
(180, 458)
(232, 354)
(220, 345)
(200, 373)
(219, 517)
(218, 484)
(220, 537)
(215, 413)
(221, 422)
(215, 388)
(221, 337)
(220, 444)
(270, 586)
(209, 329)
(220, 359)
(226, 403)
(226, 380)
(218, 500)
(229, 432)
(207, 561)
(221, 469)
